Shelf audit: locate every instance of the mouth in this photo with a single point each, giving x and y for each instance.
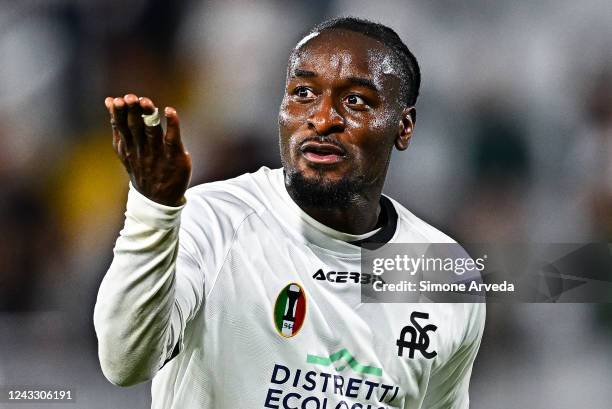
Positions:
(322, 152)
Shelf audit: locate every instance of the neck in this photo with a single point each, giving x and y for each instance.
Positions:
(359, 217)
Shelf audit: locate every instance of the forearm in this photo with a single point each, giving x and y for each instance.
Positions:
(136, 317)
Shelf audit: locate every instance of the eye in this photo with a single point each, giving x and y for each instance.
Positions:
(355, 100)
(303, 92)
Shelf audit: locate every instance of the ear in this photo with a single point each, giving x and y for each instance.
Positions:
(405, 129)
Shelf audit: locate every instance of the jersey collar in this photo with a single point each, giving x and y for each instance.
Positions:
(328, 238)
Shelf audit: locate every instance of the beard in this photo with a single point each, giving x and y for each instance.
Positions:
(320, 193)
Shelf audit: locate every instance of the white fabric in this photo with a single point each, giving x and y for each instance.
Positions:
(152, 119)
(206, 276)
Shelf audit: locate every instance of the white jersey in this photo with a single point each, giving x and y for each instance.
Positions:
(241, 300)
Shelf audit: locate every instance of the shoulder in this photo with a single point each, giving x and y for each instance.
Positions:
(412, 229)
(214, 213)
(233, 199)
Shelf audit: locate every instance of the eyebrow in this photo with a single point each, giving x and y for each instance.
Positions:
(364, 82)
(303, 73)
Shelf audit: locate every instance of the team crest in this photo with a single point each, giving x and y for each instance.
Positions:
(290, 310)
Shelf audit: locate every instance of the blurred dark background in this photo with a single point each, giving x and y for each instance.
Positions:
(513, 143)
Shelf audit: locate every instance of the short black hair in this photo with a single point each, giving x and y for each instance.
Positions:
(409, 66)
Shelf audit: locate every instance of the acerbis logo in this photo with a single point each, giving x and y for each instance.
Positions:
(290, 310)
(346, 277)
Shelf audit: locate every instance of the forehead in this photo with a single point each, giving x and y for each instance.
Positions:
(343, 50)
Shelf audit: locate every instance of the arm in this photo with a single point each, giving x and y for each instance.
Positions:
(143, 305)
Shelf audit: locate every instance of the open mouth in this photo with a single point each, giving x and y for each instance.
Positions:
(322, 152)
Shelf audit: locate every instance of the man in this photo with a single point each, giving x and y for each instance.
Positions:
(222, 295)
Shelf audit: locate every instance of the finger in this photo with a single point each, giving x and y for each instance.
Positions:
(172, 139)
(108, 102)
(134, 122)
(119, 114)
(121, 153)
(154, 134)
(116, 135)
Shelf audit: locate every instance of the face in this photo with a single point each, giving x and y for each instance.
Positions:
(342, 113)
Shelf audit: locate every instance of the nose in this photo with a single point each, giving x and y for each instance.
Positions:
(325, 118)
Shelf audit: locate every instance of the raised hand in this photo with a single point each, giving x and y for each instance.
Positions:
(158, 164)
